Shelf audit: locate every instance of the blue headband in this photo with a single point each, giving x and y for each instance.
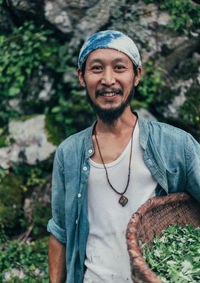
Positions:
(110, 39)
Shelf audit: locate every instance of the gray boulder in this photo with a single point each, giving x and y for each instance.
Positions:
(30, 143)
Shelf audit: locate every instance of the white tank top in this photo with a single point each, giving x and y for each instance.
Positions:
(107, 258)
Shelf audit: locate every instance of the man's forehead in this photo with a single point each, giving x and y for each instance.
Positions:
(107, 55)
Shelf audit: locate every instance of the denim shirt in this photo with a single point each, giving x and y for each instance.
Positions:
(171, 155)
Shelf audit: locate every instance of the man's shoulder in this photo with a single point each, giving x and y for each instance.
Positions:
(163, 128)
(163, 134)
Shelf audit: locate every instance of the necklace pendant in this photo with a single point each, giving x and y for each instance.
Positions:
(123, 200)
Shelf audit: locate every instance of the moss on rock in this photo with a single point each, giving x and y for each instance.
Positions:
(41, 214)
(10, 200)
(55, 130)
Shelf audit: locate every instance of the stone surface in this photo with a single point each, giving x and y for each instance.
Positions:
(30, 143)
(146, 114)
(146, 24)
(25, 6)
(87, 26)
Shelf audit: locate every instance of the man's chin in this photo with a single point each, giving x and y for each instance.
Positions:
(110, 113)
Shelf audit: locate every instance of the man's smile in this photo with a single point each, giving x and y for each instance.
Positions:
(106, 93)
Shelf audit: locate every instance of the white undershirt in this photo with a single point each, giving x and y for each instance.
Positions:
(107, 258)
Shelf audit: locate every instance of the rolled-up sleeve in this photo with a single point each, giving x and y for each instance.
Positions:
(193, 167)
(56, 225)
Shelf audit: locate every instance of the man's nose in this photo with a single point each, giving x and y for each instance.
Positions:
(108, 77)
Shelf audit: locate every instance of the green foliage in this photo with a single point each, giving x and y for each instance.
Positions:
(31, 259)
(2, 11)
(10, 200)
(3, 236)
(3, 172)
(190, 110)
(41, 214)
(34, 47)
(17, 184)
(55, 129)
(149, 84)
(5, 138)
(175, 257)
(184, 15)
(35, 177)
(32, 175)
(75, 113)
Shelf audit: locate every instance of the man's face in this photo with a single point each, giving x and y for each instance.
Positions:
(110, 80)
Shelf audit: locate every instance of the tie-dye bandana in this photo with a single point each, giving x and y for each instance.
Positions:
(110, 39)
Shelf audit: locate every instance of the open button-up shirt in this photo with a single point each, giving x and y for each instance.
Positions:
(171, 155)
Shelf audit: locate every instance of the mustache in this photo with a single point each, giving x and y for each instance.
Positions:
(101, 91)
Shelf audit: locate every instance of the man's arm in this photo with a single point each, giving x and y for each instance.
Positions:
(57, 261)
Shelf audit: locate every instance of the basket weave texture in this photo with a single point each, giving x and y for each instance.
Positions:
(150, 219)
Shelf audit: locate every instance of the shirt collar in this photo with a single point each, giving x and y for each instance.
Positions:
(144, 134)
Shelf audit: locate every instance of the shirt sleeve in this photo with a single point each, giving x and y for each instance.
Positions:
(56, 224)
(193, 167)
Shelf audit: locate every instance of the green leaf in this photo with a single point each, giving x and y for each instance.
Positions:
(56, 109)
(13, 91)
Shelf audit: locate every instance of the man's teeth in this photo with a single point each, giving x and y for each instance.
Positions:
(109, 94)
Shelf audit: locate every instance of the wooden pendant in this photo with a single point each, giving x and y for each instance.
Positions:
(123, 200)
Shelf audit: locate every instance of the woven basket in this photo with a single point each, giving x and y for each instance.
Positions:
(150, 219)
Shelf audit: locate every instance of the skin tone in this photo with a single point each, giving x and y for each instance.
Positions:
(57, 261)
(111, 71)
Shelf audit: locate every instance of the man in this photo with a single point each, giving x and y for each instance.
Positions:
(103, 174)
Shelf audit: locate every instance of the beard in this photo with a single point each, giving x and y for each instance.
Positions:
(110, 116)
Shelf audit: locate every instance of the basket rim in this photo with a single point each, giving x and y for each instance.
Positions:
(134, 250)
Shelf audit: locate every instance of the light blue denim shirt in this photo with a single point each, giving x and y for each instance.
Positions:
(172, 156)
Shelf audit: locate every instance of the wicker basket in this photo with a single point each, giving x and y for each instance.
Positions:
(150, 219)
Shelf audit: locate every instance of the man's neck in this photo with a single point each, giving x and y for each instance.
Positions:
(113, 139)
(122, 124)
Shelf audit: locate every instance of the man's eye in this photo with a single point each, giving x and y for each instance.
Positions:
(96, 68)
(119, 67)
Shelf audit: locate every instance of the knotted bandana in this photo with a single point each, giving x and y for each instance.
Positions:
(110, 39)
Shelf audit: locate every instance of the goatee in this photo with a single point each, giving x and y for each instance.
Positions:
(110, 116)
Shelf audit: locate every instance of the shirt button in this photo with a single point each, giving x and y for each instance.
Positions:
(90, 150)
(79, 195)
(84, 168)
(76, 221)
(150, 162)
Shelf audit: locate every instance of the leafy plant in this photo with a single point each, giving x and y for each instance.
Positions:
(190, 110)
(31, 260)
(22, 55)
(149, 84)
(175, 257)
(184, 15)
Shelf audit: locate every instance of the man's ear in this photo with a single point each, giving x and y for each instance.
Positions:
(137, 77)
(81, 78)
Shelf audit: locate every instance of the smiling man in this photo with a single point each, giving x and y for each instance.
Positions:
(103, 174)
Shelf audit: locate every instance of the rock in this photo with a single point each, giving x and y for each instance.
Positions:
(56, 13)
(30, 143)
(87, 26)
(146, 114)
(8, 275)
(67, 16)
(76, 20)
(46, 92)
(172, 110)
(22, 7)
(6, 23)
